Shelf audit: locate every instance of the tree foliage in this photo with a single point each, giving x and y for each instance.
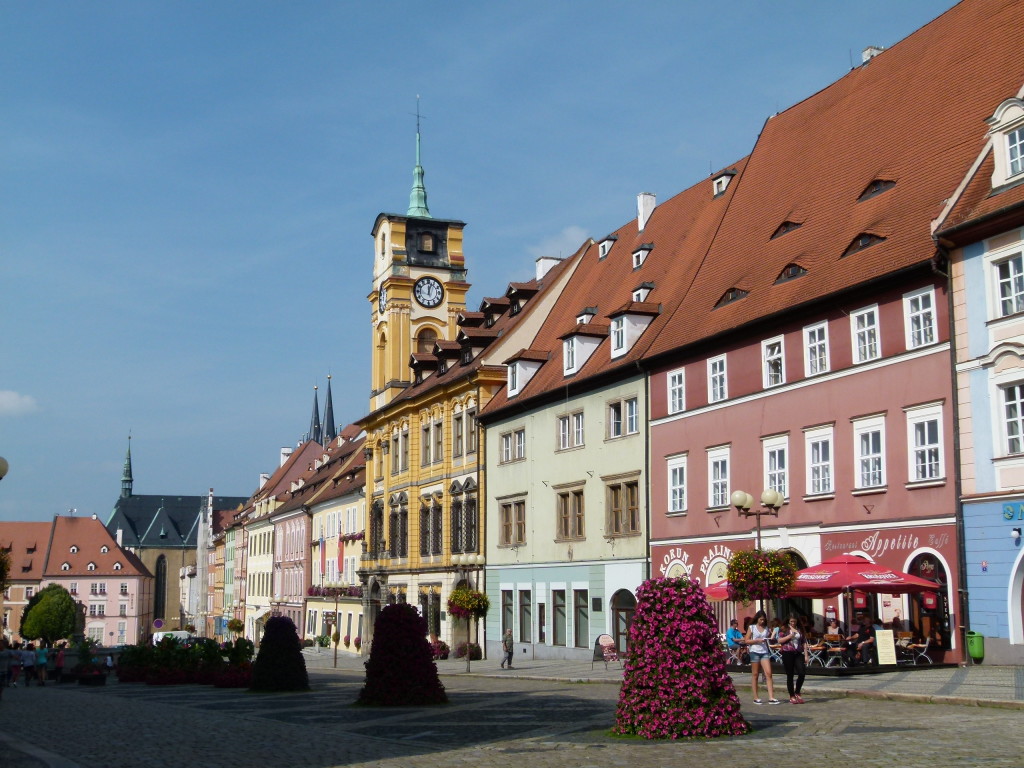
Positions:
(49, 615)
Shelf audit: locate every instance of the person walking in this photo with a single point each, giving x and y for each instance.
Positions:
(508, 648)
(42, 657)
(28, 663)
(15, 668)
(760, 657)
(794, 658)
(5, 664)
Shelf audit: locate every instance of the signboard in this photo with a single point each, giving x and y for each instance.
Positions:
(158, 624)
(886, 646)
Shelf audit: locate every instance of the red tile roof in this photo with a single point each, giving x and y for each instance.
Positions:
(979, 202)
(27, 543)
(89, 536)
(915, 114)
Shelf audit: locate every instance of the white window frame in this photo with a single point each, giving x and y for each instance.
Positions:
(675, 474)
(615, 419)
(618, 334)
(770, 357)
(1014, 281)
(929, 452)
(920, 320)
(676, 383)
(632, 415)
(564, 433)
(1011, 417)
(816, 353)
(1015, 152)
(868, 464)
(623, 417)
(513, 378)
(519, 447)
(506, 447)
(569, 354)
(871, 333)
(820, 473)
(775, 460)
(578, 429)
(718, 381)
(718, 477)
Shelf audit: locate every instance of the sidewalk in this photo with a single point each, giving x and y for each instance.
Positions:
(975, 686)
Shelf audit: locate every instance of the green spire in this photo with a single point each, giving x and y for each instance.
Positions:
(126, 476)
(418, 195)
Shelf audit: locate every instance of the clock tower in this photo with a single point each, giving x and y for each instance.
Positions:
(419, 288)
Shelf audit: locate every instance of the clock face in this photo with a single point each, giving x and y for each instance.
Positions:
(382, 300)
(428, 291)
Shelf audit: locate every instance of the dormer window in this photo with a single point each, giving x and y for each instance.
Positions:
(720, 182)
(514, 308)
(862, 241)
(876, 187)
(104, 549)
(785, 228)
(569, 355)
(91, 567)
(618, 334)
(1015, 151)
(605, 246)
(790, 272)
(513, 378)
(586, 315)
(642, 291)
(733, 294)
(467, 355)
(65, 566)
(74, 549)
(1007, 132)
(117, 566)
(488, 319)
(640, 255)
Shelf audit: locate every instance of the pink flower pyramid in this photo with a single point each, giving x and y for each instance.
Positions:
(675, 684)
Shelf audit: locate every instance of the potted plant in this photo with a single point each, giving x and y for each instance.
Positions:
(357, 642)
(440, 649)
(236, 626)
(759, 574)
(88, 670)
(346, 640)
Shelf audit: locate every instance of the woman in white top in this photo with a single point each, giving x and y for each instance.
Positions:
(760, 656)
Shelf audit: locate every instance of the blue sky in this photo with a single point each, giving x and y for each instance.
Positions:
(188, 190)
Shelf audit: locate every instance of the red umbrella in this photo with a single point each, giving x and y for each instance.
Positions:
(853, 572)
(718, 591)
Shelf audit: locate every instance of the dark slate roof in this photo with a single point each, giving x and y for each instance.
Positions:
(163, 522)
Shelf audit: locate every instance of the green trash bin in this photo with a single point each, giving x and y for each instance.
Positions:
(976, 645)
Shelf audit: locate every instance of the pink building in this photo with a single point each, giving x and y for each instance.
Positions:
(111, 584)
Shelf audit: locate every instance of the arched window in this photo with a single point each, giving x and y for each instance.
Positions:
(623, 608)
(425, 341)
(91, 566)
(65, 566)
(104, 549)
(160, 590)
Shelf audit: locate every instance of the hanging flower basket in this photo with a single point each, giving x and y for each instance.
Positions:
(759, 574)
(464, 603)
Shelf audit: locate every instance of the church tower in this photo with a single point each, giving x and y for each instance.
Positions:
(419, 288)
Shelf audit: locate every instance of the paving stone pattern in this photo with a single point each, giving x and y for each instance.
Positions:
(491, 720)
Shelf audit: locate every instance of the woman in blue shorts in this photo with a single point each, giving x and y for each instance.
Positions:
(760, 656)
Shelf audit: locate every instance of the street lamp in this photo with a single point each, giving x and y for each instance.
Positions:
(335, 590)
(465, 564)
(771, 500)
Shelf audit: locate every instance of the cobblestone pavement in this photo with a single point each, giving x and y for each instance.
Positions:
(491, 720)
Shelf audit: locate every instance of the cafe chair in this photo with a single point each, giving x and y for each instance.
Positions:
(920, 651)
(607, 650)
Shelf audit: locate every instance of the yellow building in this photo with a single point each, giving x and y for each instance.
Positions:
(434, 365)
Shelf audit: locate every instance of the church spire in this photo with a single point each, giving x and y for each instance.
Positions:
(330, 430)
(418, 195)
(126, 476)
(314, 422)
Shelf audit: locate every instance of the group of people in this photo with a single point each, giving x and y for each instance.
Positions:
(28, 662)
(791, 637)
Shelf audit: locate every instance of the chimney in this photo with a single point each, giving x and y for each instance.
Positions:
(118, 537)
(285, 453)
(545, 264)
(645, 202)
(264, 476)
(870, 52)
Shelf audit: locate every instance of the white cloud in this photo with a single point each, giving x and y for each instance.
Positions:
(13, 404)
(562, 245)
